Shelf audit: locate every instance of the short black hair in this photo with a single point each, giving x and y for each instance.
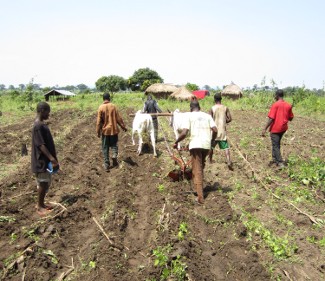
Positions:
(106, 96)
(279, 93)
(195, 104)
(217, 96)
(149, 97)
(42, 106)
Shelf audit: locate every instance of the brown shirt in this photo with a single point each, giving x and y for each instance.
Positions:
(108, 118)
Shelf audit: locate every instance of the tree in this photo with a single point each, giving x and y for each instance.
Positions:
(192, 87)
(82, 87)
(137, 81)
(112, 84)
(207, 87)
(22, 87)
(2, 87)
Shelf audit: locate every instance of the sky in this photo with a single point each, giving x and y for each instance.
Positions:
(205, 42)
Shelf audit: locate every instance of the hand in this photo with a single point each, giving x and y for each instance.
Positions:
(98, 135)
(124, 129)
(175, 145)
(263, 133)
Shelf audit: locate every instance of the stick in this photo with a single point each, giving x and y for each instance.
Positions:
(24, 273)
(65, 274)
(102, 230)
(154, 114)
(274, 195)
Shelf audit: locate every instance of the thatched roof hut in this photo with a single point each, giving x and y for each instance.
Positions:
(160, 90)
(232, 91)
(183, 94)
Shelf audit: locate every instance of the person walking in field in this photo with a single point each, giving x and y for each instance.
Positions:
(151, 106)
(278, 117)
(43, 152)
(221, 116)
(199, 125)
(108, 119)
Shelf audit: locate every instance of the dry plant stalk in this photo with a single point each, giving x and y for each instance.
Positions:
(268, 189)
(65, 274)
(107, 237)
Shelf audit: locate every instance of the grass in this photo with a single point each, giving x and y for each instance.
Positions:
(13, 107)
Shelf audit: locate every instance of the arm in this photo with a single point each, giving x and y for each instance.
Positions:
(157, 107)
(214, 132)
(46, 152)
(182, 136)
(228, 116)
(267, 125)
(211, 112)
(120, 121)
(145, 108)
(99, 123)
(291, 114)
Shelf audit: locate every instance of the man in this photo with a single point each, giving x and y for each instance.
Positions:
(199, 125)
(221, 116)
(278, 117)
(108, 118)
(43, 152)
(151, 106)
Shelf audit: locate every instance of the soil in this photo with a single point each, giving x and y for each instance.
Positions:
(107, 225)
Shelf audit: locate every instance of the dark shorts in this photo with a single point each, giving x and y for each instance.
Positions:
(45, 177)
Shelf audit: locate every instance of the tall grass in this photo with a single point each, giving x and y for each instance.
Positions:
(14, 108)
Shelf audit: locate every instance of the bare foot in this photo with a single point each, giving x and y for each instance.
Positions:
(43, 211)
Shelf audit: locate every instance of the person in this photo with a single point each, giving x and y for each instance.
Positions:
(199, 125)
(151, 106)
(221, 116)
(108, 118)
(278, 117)
(43, 152)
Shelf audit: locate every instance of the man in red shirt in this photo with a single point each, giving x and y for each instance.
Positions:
(278, 117)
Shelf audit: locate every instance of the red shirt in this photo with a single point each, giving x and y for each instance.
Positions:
(281, 113)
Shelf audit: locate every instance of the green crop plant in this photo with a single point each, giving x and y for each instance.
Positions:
(309, 173)
(182, 230)
(13, 237)
(7, 219)
(161, 188)
(281, 247)
(174, 270)
(52, 256)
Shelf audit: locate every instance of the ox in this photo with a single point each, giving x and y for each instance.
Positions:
(176, 122)
(142, 123)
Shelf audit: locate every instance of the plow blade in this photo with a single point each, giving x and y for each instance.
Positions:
(179, 175)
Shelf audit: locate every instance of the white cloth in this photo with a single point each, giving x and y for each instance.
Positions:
(199, 125)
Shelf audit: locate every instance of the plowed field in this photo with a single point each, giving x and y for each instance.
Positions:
(112, 226)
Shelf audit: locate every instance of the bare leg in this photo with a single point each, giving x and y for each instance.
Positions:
(41, 207)
(229, 163)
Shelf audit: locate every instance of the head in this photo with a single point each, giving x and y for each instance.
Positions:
(149, 97)
(106, 96)
(43, 110)
(279, 94)
(195, 106)
(217, 97)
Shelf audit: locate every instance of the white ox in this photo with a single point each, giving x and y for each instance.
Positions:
(142, 123)
(176, 121)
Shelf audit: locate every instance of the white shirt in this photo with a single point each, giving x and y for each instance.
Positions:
(199, 125)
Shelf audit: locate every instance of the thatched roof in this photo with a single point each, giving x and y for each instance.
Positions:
(160, 90)
(182, 94)
(232, 91)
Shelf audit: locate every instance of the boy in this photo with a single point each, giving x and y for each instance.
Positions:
(221, 116)
(43, 152)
